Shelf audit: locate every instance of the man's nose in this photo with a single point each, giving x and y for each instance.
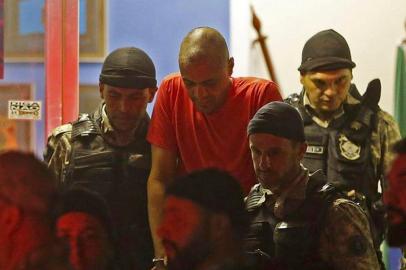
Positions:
(75, 253)
(331, 90)
(264, 161)
(124, 105)
(201, 92)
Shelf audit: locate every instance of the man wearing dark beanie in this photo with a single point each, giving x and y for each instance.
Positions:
(204, 222)
(295, 217)
(107, 152)
(349, 137)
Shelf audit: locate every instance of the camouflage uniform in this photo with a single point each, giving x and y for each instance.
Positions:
(59, 148)
(343, 238)
(90, 156)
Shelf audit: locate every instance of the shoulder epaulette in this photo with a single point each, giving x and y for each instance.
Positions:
(292, 99)
(61, 129)
(84, 126)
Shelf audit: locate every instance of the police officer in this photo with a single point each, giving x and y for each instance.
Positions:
(297, 219)
(107, 152)
(348, 135)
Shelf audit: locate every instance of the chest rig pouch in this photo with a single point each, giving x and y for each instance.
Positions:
(262, 223)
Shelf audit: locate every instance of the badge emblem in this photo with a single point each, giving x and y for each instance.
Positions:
(348, 149)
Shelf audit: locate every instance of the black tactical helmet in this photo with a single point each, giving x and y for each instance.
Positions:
(128, 68)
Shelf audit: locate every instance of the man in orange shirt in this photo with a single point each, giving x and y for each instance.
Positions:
(200, 117)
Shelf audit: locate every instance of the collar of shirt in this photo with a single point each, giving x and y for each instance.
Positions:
(325, 123)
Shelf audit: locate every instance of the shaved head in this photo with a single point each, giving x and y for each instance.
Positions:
(206, 68)
(203, 43)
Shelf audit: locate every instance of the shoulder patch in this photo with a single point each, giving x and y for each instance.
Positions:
(61, 129)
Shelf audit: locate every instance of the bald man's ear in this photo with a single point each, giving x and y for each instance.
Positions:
(230, 66)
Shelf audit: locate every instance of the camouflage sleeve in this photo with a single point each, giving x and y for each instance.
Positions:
(58, 150)
(386, 134)
(346, 241)
(403, 260)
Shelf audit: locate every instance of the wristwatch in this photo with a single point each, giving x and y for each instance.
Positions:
(159, 263)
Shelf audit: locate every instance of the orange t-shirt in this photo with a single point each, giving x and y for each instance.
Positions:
(217, 140)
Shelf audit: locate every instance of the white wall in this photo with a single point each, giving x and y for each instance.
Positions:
(372, 28)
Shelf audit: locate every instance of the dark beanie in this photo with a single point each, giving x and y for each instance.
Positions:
(279, 119)
(128, 68)
(216, 191)
(326, 50)
(79, 199)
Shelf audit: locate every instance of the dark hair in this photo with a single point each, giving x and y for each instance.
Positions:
(216, 191)
(26, 181)
(79, 199)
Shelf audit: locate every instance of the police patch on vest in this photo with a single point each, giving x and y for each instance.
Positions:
(348, 149)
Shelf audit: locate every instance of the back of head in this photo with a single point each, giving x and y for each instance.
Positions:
(216, 191)
(279, 119)
(326, 50)
(203, 43)
(26, 182)
(88, 202)
(128, 68)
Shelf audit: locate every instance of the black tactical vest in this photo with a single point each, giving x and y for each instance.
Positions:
(120, 175)
(291, 243)
(343, 150)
